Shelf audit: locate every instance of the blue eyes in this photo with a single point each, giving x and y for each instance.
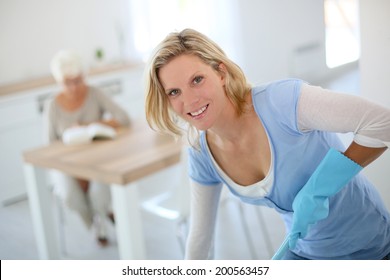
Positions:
(197, 80)
(174, 92)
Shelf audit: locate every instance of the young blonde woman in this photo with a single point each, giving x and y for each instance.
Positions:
(78, 104)
(272, 145)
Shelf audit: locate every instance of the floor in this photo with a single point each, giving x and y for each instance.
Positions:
(231, 240)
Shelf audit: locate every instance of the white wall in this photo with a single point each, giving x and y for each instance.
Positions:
(269, 39)
(283, 38)
(31, 32)
(375, 75)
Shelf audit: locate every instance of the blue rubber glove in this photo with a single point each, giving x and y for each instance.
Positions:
(311, 204)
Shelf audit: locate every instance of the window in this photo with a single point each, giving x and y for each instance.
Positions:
(342, 32)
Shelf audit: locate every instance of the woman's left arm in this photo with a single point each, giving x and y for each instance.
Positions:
(321, 109)
(363, 155)
(119, 116)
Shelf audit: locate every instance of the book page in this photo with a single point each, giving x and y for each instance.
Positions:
(76, 135)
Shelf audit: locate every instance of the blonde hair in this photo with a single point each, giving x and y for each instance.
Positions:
(66, 63)
(190, 42)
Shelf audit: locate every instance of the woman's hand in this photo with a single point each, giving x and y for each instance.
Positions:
(84, 185)
(111, 122)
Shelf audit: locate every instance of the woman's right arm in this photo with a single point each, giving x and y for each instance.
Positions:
(49, 119)
(204, 206)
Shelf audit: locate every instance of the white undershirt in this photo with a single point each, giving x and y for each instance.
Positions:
(321, 109)
(318, 109)
(258, 189)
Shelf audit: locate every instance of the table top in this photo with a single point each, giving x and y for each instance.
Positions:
(135, 153)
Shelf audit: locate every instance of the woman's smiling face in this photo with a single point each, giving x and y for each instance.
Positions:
(195, 90)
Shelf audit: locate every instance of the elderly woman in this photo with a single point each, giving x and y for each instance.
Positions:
(79, 104)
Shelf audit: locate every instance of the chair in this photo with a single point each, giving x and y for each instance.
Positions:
(59, 208)
(263, 227)
(174, 204)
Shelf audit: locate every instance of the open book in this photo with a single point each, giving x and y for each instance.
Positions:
(85, 134)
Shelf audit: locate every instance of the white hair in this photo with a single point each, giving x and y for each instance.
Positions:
(66, 63)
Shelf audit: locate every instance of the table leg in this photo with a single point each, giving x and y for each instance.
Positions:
(41, 212)
(128, 221)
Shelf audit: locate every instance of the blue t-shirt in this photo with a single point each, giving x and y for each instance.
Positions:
(358, 225)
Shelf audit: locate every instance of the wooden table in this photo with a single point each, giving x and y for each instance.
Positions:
(135, 153)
